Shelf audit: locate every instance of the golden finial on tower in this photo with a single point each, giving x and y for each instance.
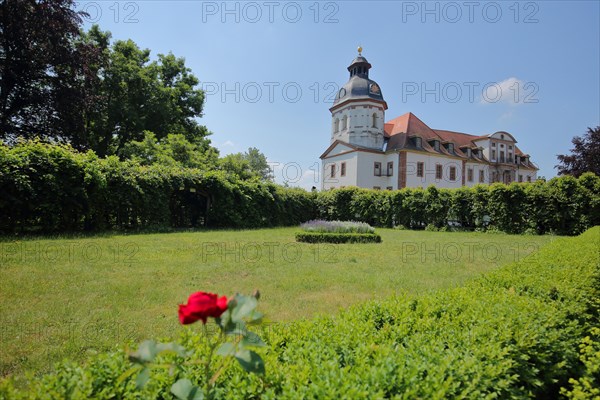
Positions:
(359, 50)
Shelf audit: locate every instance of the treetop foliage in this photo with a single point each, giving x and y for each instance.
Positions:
(584, 157)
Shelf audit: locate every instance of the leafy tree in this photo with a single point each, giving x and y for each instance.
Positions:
(43, 70)
(136, 95)
(584, 157)
(174, 150)
(258, 163)
(248, 165)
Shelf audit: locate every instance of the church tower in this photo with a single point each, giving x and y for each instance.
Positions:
(358, 111)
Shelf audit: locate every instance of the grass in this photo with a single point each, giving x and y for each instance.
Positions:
(69, 297)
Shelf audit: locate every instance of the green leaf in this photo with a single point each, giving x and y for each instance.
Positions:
(224, 319)
(142, 378)
(238, 329)
(226, 349)
(256, 318)
(252, 339)
(250, 361)
(245, 306)
(149, 349)
(145, 353)
(183, 389)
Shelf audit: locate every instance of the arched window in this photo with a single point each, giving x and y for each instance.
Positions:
(345, 122)
(374, 120)
(336, 125)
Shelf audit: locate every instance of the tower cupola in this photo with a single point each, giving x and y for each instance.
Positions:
(359, 86)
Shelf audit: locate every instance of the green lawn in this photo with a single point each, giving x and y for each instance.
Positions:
(65, 298)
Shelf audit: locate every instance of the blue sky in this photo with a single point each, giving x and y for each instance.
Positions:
(270, 68)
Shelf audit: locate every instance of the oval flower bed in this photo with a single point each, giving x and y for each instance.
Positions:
(320, 231)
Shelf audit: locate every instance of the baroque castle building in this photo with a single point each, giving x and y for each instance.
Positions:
(368, 152)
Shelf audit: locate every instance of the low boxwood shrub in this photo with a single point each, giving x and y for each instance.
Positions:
(518, 332)
(326, 237)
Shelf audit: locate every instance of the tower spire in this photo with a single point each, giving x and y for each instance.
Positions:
(359, 50)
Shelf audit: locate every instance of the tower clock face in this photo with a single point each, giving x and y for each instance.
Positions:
(374, 88)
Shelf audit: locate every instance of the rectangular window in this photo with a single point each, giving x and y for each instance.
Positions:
(376, 187)
(493, 144)
(389, 188)
(481, 176)
(493, 155)
(418, 142)
(470, 174)
(520, 178)
(501, 156)
(452, 173)
(390, 168)
(377, 169)
(420, 168)
(438, 171)
(450, 147)
(333, 170)
(529, 179)
(343, 169)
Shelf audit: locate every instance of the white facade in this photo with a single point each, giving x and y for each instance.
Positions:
(428, 173)
(360, 124)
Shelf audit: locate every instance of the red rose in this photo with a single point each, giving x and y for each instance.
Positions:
(200, 306)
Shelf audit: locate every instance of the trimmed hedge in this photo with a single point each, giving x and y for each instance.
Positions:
(326, 237)
(51, 188)
(514, 333)
(563, 206)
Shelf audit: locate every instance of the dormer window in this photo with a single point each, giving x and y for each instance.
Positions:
(468, 152)
(436, 145)
(451, 148)
(418, 142)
